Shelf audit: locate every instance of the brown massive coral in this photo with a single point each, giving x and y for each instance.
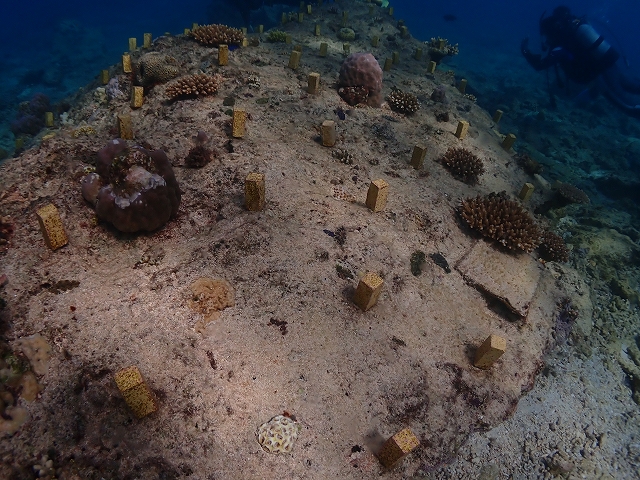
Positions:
(463, 164)
(156, 68)
(564, 194)
(215, 34)
(197, 85)
(571, 193)
(497, 217)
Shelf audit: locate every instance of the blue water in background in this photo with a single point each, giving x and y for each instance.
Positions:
(72, 41)
(486, 28)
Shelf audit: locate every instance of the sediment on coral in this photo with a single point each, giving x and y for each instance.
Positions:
(216, 34)
(497, 217)
(463, 164)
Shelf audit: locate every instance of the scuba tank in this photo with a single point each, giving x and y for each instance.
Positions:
(592, 42)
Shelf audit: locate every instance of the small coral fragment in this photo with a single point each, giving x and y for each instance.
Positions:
(440, 48)
(198, 157)
(278, 435)
(84, 130)
(354, 95)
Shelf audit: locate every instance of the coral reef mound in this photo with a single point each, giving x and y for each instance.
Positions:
(497, 217)
(215, 34)
(362, 70)
(133, 189)
(463, 164)
(197, 85)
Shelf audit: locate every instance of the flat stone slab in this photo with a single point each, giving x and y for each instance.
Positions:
(512, 279)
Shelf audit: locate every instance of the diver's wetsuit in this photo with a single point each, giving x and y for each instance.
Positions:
(585, 57)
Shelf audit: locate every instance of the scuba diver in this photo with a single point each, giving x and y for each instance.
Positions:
(585, 57)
